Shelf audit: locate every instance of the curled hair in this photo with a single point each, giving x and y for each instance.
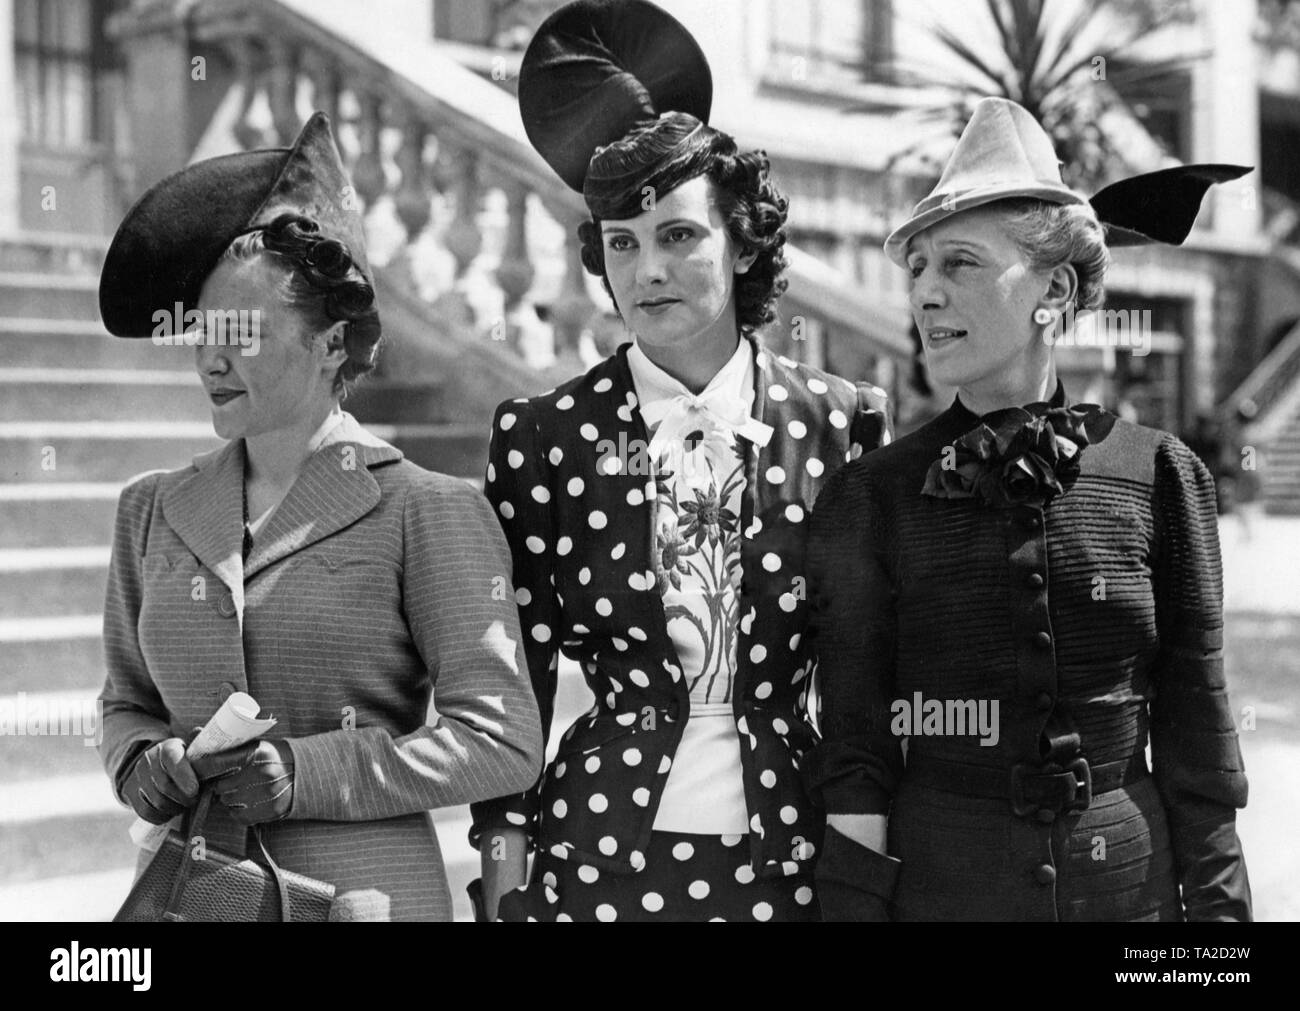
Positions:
(660, 156)
(1049, 235)
(322, 282)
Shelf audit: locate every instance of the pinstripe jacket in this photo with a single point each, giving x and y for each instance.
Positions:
(579, 520)
(374, 586)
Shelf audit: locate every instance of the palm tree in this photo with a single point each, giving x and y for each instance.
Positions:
(1069, 62)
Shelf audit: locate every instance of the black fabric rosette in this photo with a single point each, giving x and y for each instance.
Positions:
(1018, 456)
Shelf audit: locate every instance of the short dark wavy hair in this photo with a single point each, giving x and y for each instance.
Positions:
(664, 154)
(324, 283)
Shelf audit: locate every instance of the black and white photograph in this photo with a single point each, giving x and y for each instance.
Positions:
(627, 461)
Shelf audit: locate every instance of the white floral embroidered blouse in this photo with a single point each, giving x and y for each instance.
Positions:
(699, 480)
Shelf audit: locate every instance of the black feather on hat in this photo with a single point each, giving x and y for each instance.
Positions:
(171, 240)
(1158, 206)
(597, 68)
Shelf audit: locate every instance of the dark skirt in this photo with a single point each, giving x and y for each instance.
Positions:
(966, 858)
(685, 878)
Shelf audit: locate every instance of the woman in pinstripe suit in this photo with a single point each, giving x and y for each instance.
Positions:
(306, 562)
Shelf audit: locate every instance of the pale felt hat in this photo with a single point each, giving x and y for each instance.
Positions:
(1004, 153)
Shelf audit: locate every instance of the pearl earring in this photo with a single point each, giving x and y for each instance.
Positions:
(1043, 316)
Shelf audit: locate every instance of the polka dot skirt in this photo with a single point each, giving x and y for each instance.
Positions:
(692, 878)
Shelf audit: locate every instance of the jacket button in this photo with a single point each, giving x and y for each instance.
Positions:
(1042, 640)
(1044, 702)
(226, 690)
(226, 606)
(1045, 874)
(1036, 581)
(1046, 815)
(1032, 522)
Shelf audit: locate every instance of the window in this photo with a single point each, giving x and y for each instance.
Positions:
(1279, 140)
(58, 47)
(832, 39)
(1155, 385)
(1161, 101)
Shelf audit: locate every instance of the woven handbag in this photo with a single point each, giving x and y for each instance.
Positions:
(187, 881)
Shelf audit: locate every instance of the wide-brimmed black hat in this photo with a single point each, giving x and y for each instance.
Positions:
(171, 240)
(597, 68)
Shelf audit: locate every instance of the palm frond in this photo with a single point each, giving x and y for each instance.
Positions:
(972, 59)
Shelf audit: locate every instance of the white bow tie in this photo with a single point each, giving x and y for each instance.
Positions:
(717, 414)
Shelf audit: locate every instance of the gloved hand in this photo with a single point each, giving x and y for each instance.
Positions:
(162, 783)
(254, 781)
(854, 882)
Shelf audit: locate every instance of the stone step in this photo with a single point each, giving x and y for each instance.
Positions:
(75, 451)
(41, 452)
(57, 253)
(52, 654)
(459, 450)
(57, 514)
(44, 343)
(393, 402)
(89, 898)
(50, 296)
(52, 582)
(81, 394)
(34, 752)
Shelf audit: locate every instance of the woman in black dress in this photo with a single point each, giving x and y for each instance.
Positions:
(1029, 594)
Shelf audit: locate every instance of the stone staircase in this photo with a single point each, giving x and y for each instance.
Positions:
(1271, 396)
(80, 414)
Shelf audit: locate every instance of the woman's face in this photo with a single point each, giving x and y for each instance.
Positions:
(287, 381)
(672, 268)
(973, 296)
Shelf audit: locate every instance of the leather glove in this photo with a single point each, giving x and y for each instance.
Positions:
(254, 781)
(854, 882)
(1215, 885)
(161, 783)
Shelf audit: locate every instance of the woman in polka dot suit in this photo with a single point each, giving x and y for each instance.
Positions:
(656, 510)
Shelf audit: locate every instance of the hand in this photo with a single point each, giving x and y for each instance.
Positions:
(254, 781)
(504, 858)
(162, 783)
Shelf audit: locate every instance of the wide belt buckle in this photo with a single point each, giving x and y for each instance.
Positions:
(1078, 795)
(1082, 773)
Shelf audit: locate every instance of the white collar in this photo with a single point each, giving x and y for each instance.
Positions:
(653, 383)
(334, 417)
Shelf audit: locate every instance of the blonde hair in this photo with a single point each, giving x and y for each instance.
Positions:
(1049, 235)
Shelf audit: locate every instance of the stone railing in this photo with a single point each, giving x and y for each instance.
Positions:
(460, 209)
(1271, 384)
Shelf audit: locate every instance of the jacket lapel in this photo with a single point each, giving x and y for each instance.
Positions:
(206, 511)
(333, 490)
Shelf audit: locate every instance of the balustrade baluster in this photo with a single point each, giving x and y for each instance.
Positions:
(573, 308)
(368, 172)
(462, 237)
(515, 273)
(282, 87)
(249, 70)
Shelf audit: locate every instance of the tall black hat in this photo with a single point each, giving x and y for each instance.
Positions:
(171, 240)
(597, 68)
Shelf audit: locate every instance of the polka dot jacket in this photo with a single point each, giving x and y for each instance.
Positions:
(571, 481)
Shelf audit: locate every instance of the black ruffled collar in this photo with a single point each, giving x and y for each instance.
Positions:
(1016, 456)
